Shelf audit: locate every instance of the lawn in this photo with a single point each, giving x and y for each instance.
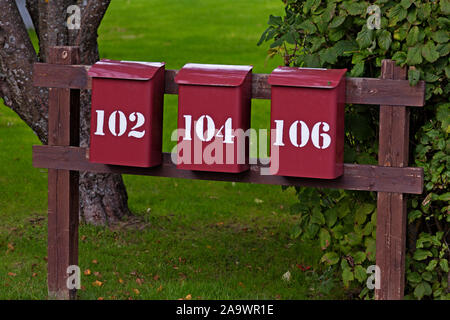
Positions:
(192, 239)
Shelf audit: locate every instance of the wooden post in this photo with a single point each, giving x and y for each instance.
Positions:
(63, 198)
(391, 216)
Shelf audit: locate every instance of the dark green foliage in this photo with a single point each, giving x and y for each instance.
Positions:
(335, 34)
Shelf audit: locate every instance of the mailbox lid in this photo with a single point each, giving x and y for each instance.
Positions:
(127, 70)
(307, 77)
(213, 74)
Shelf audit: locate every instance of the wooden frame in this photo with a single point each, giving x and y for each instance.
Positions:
(392, 179)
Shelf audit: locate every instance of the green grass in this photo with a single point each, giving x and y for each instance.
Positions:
(210, 240)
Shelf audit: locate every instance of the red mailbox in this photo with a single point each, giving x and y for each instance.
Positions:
(126, 113)
(213, 116)
(307, 122)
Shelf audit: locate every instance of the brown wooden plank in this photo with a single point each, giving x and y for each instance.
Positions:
(359, 90)
(391, 219)
(63, 197)
(356, 177)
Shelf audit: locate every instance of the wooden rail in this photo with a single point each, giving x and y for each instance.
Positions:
(359, 90)
(392, 178)
(355, 177)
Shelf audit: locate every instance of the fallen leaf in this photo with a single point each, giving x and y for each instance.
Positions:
(87, 272)
(100, 298)
(97, 274)
(156, 277)
(120, 280)
(136, 291)
(97, 283)
(34, 274)
(188, 297)
(139, 281)
(12, 274)
(241, 284)
(94, 261)
(83, 238)
(10, 247)
(258, 200)
(160, 288)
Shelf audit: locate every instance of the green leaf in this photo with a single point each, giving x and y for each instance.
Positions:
(336, 22)
(413, 36)
(328, 55)
(440, 36)
(317, 216)
(414, 55)
(443, 263)
(310, 5)
(355, 8)
(360, 273)
(277, 42)
(359, 257)
(263, 37)
(445, 196)
(307, 26)
(406, 3)
(364, 38)
(414, 277)
(443, 115)
(330, 258)
(445, 6)
(336, 34)
(362, 212)
(413, 215)
(399, 57)
(385, 40)
(413, 76)
(357, 70)
(396, 14)
(312, 61)
(275, 21)
(422, 289)
(347, 276)
(412, 16)
(296, 231)
(324, 238)
(432, 265)
(316, 43)
(429, 52)
(421, 254)
(427, 276)
(331, 217)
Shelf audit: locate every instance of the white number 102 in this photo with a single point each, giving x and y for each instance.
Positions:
(133, 117)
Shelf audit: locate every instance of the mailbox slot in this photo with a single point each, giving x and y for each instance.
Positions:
(307, 122)
(126, 113)
(213, 115)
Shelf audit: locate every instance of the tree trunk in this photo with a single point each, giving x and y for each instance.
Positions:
(103, 197)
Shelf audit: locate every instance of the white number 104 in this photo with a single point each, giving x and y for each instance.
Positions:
(136, 117)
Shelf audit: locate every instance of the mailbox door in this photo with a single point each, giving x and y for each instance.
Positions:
(213, 115)
(126, 116)
(307, 125)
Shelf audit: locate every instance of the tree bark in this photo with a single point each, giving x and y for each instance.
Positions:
(103, 197)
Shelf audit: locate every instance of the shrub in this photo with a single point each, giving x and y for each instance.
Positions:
(335, 34)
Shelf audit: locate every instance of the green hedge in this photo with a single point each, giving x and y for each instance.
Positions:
(335, 34)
